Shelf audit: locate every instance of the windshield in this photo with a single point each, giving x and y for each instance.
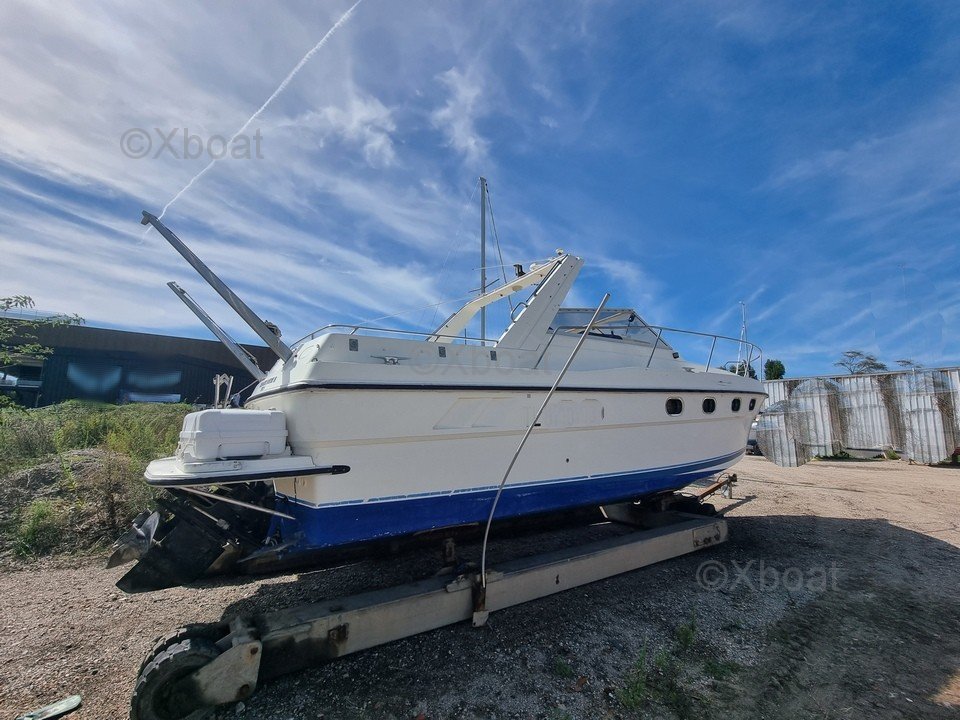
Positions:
(616, 324)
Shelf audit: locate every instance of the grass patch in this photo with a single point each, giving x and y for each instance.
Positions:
(25, 436)
(660, 680)
(842, 455)
(664, 684)
(561, 668)
(41, 528)
(140, 430)
(635, 694)
(686, 634)
(721, 669)
(659, 683)
(98, 492)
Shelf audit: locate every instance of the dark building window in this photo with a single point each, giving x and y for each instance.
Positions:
(93, 381)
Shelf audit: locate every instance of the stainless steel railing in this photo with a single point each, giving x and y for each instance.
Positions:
(747, 353)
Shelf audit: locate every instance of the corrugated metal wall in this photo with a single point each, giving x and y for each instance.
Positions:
(914, 412)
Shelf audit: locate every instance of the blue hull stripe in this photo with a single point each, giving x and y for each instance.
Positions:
(356, 521)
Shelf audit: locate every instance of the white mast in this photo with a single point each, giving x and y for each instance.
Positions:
(483, 256)
(743, 338)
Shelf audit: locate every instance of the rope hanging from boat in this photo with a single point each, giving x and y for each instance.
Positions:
(523, 440)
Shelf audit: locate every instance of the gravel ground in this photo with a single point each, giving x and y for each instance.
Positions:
(836, 596)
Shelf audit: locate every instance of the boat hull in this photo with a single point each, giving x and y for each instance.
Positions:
(422, 460)
(331, 526)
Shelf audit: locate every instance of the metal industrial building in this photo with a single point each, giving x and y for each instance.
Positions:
(914, 412)
(118, 366)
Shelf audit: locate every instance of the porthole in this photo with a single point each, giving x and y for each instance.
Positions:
(709, 405)
(735, 405)
(753, 403)
(674, 406)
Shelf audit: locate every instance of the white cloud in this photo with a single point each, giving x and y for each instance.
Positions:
(457, 118)
(362, 121)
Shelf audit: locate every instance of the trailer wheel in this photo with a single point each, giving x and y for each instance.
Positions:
(154, 697)
(202, 631)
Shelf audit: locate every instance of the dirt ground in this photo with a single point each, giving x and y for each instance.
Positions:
(837, 596)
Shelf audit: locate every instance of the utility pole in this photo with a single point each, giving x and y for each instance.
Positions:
(483, 256)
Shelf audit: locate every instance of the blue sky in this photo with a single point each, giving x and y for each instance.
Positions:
(803, 158)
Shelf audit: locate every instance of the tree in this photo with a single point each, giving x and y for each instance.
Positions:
(16, 335)
(909, 364)
(774, 370)
(737, 368)
(856, 362)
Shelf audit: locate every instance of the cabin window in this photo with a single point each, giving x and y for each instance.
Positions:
(674, 406)
(735, 405)
(443, 351)
(709, 405)
(353, 344)
(493, 354)
(753, 403)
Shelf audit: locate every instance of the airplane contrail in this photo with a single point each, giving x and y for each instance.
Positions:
(280, 88)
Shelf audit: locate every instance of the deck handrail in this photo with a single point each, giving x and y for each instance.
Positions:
(753, 351)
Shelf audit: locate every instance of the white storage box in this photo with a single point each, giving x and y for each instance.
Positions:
(225, 434)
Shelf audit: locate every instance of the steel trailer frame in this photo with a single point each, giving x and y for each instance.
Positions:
(260, 647)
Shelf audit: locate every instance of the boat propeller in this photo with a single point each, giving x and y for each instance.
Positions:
(135, 542)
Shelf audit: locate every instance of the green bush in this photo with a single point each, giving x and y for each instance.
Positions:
(82, 430)
(142, 431)
(118, 491)
(99, 492)
(25, 435)
(41, 529)
(146, 433)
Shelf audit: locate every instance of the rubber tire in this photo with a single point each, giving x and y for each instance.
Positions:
(149, 701)
(203, 631)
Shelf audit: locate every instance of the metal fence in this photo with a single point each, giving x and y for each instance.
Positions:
(914, 412)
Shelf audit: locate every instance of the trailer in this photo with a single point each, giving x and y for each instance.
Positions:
(199, 667)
